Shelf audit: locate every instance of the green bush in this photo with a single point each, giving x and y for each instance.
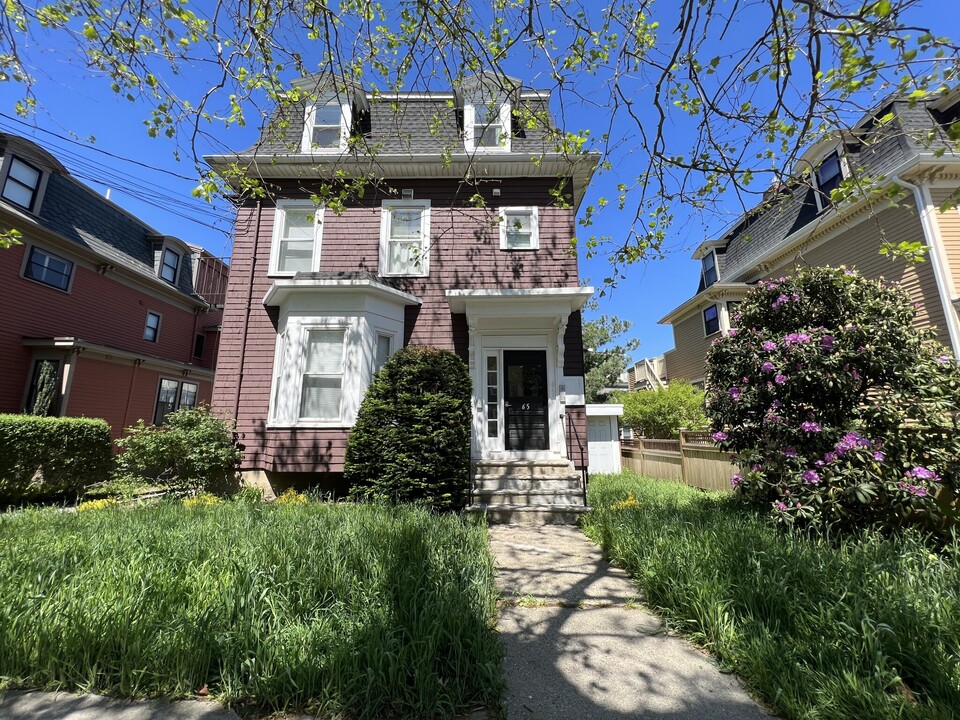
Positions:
(44, 457)
(662, 412)
(843, 414)
(852, 628)
(411, 441)
(194, 450)
(339, 610)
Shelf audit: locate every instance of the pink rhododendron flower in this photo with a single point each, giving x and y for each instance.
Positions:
(769, 345)
(720, 436)
(736, 479)
(780, 379)
(811, 477)
(810, 426)
(768, 367)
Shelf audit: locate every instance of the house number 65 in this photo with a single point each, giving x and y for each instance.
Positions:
(525, 406)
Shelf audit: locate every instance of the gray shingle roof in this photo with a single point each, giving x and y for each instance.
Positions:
(83, 216)
(409, 124)
(874, 151)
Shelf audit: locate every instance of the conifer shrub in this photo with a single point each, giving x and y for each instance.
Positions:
(843, 414)
(411, 441)
(48, 457)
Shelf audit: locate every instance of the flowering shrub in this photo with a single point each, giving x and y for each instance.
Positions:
(291, 497)
(101, 504)
(842, 413)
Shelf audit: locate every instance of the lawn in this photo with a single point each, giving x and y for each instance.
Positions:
(343, 610)
(860, 628)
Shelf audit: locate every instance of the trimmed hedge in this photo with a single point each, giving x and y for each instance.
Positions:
(52, 457)
(411, 441)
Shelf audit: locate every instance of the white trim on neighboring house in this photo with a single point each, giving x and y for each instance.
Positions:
(938, 256)
(279, 219)
(422, 254)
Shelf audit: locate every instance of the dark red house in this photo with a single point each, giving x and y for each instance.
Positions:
(124, 322)
(462, 242)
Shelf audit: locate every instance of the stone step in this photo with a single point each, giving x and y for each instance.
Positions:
(523, 468)
(539, 498)
(527, 483)
(528, 514)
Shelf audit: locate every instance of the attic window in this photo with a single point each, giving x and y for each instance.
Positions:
(22, 183)
(709, 269)
(326, 127)
(169, 265)
(487, 126)
(829, 175)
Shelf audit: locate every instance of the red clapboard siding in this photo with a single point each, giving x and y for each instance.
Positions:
(464, 253)
(99, 310)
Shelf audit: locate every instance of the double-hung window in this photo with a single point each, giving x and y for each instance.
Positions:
(487, 126)
(22, 184)
(829, 175)
(709, 269)
(711, 320)
(405, 238)
(519, 228)
(326, 126)
(151, 330)
(174, 395)
(169, 265)
(322, 379)
(48, 269)
(383, 351)
(297, 230)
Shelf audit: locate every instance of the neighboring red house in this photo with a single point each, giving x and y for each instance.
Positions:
(464, 243)
(123, 321)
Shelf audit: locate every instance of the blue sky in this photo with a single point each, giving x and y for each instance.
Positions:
(91, 130)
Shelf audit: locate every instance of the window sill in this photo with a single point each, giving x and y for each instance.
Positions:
(713, 334)
(519, 249)
(313, 425)
(404, 275)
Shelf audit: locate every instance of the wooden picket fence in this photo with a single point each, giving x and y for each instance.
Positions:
(694, 460)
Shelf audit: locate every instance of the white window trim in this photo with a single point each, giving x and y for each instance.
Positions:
(163, 253)
(703, 268)
(469, 117)
(26, 262)
(279, 216)
(386, 208)
(703, 319)
(815, 167)
(534, 227)
(297, 356)
(35, 192)
(377, 334)
(346, 117)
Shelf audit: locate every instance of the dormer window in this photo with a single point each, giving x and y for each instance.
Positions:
(327, 126)
(169, 266)
(709, 269)
(487, 126)
(21, 184)
(829, 175)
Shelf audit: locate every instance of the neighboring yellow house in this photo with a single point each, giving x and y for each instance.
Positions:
(798, 226)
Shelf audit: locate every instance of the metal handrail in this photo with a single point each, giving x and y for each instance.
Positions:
(584, 472)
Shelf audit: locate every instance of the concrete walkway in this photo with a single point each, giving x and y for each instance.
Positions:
(66, 706)
(578, 646)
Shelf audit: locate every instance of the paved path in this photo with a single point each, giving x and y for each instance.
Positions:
(578, 647)
(66, 706)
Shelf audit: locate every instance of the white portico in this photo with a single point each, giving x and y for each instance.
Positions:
(516, 357)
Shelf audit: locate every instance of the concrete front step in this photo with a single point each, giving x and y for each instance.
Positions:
(565, 498)
(523, 468)
(525, 484)
(528, 514)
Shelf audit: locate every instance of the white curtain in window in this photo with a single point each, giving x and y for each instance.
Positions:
(519, 228)
(296, 242)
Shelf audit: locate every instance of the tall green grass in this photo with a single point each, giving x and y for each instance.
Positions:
(859, 628)
(364, 611)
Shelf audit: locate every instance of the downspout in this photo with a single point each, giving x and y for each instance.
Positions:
(246, 319)
(937, 261)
